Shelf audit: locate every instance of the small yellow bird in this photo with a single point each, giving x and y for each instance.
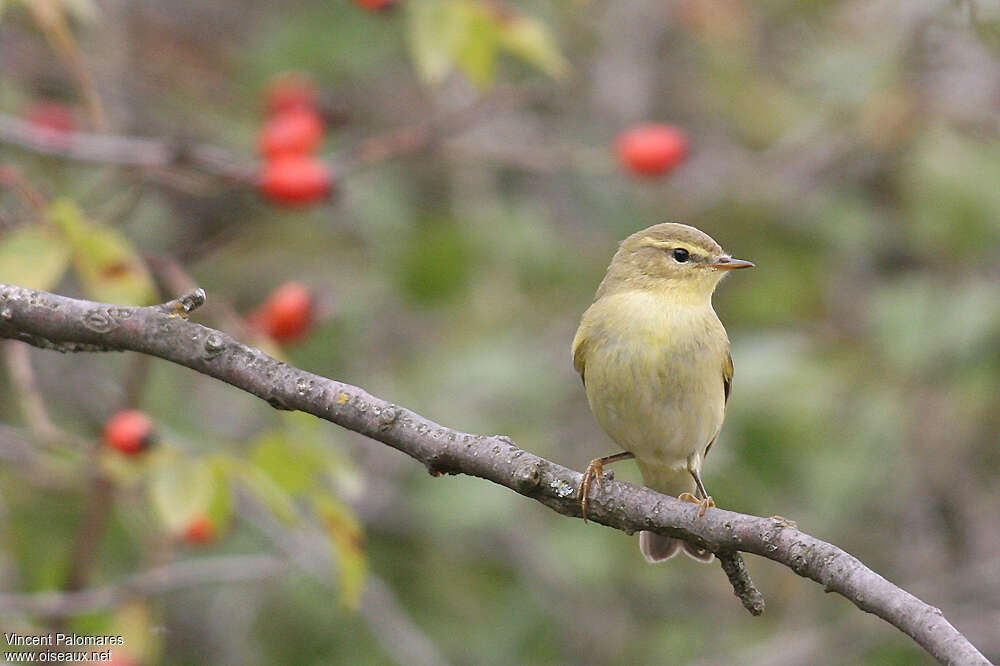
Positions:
(655, 363)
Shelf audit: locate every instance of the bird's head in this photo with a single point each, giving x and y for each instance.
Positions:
(669, 258)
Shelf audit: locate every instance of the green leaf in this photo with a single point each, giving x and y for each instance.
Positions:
(477, 52)
(467, 34)
(294, 468)
(220, 508)
(348, 541)
(180, 489)
(265, 489)
(109, 268)
(33, 256)
(312, 442)
(529, 39)
(437, 28)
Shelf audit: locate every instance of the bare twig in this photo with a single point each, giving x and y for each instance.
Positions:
(32, 404)
(739, 577)
(100, 495)
(57, 322)
(10, 177)
(395, 628)
(169, 152)
(89, 532)
(159, 580)
(124, 151)
(310, 550)
(36, 467)
(51, 18)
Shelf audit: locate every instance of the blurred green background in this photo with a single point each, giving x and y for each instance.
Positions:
(851, 149)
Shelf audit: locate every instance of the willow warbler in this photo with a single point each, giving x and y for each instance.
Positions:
(655, 364)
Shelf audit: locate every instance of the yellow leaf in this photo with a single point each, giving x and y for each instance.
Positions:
(33, 256)
(109, 268)
(529, 39)
(180, 489)
(138, 623)
(348, 542)
(437, 28)
(477, 52)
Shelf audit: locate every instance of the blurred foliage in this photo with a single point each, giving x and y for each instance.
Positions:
(468, 34)
(109, 269)
(850, 148)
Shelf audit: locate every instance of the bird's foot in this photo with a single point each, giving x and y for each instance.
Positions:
(594, 475)
(703, 504)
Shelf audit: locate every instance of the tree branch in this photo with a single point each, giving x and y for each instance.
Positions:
(126, 151)
(179, 575)
(166, 152)
(56, 322)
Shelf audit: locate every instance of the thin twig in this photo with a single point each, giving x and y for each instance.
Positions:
(34, 466)
(126, 151)
(159, 580)
(51, 18)
(32, 404)
(310, 550)
(89, 532)
(168, 152)
(739, 577)
(394, 627)
(53, 321)
(11, 177)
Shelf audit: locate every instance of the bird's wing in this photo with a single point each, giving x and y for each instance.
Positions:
(727, 375)
(579, 355)
(727, 384)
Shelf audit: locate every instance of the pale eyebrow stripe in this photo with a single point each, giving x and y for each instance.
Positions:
(695, 253)
(663, 244)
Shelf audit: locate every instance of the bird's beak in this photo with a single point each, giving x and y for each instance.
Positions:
(728, 264)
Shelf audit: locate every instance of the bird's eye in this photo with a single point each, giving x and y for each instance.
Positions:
(680, 255)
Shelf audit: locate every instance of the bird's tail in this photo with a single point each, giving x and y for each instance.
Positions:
(656, 547)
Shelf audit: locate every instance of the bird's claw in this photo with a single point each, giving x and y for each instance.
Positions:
(593, 475)
(703, 504)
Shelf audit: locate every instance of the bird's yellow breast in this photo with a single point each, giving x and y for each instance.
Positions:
(653, 374)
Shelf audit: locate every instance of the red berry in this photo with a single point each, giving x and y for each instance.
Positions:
(286, 314)
(296, 131)
(652, 150)
(295, 180)
(199, 530)
(291, 90)
(130, 432)
(50, 117)
(376, 5)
